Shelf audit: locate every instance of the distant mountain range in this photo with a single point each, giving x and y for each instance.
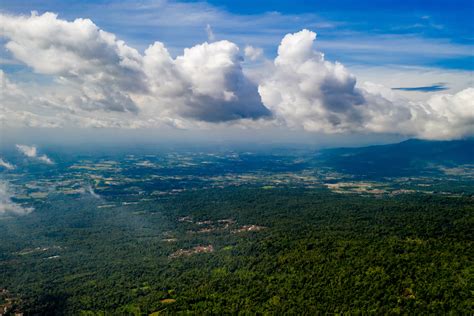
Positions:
(411, 157)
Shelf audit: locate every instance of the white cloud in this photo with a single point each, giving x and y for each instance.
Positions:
(19, 106)
(99, 81)
(148, 20)
(32, 152)
(449, 116)
(220, 90)
(45, 159)
(98, 72)
(6, 164)
(395, 48)
(100, 69)
(305, 91)
(396, 76)
(206, 83)
(91, 191)
(253, 53)
(210, 34)
(7, 206)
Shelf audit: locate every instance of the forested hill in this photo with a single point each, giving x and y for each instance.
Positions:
(411, 157)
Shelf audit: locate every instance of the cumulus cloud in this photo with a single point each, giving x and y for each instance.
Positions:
(101, 72)
(32, 152)
(305, 91)
(7, 205)
(448, 116)
(206, 83)
(220, 91)
(99, 81)
(6, 164)
(253, 53)
(18, 106)
(101, 69)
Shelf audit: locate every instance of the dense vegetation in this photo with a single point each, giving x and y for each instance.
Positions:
(319, 251)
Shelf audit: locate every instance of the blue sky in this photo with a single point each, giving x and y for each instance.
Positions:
(411, 33)
(402, 68)
(431, 18)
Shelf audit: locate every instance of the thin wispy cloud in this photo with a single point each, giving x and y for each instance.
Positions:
(91, 191)
(7, 205)
(210, 33)
(32, 152)
(432, 88)
(6, 164)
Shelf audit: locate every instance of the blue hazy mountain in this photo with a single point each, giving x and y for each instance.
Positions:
(411, 157)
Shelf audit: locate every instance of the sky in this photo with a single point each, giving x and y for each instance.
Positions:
(327, 71)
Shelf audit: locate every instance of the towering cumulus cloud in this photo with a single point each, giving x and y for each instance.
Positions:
(99, 81)
(220, 90)
(205, 83)
(100, 72)
(305, 91)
